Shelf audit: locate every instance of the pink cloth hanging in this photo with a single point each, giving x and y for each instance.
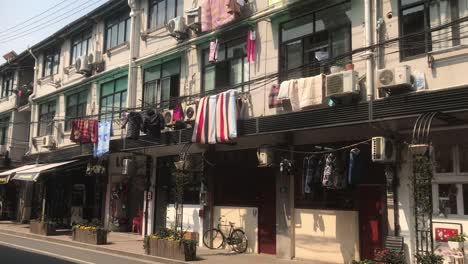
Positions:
(214, 49)
(251, 45)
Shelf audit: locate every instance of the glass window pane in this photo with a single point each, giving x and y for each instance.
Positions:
(107, 88)
(444, 159)
(153, 16)
(83, 97)
(121, 84)
(121, 34)
(149, 93)
(114, 35)
(448, 199)
(171, 9)
(464, 159)
(465, 198)
(161, 15)
(171, 68)
(72, 100)
(413, 22)
(123, 99)
(209, 79)
(237, 51)
(180, 8)
(298, 27)
(109, 38)
(340, 42)
(153, 73)
(236, 72)
(165, 92)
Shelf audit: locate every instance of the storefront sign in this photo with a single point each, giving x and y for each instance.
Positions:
(4, 179)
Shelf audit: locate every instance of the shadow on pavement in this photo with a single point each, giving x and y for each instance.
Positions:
(14, 256)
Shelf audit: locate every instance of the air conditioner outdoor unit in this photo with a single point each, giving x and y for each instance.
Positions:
(190, 111)
(390, 78)
(383, 150)
(177, 26)
(342, 84)
(47, 141)
(167, 115)
(83, 64)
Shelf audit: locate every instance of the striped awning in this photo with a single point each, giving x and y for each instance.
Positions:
(33, 174)
(5, 176)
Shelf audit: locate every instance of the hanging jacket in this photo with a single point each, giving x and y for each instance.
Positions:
(134, 125)
(153, 123)
(333, 173)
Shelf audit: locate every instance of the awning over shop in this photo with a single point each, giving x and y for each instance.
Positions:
(33, 174)
(6, 175)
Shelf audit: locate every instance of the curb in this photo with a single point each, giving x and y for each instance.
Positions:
(93, 247)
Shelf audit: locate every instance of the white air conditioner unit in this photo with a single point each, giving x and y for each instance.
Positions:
(398, 77)
(47, 141)
(83, 64)
(167, 115)
(190, 111)
(177, 25)
(342, 84)
(383, 150)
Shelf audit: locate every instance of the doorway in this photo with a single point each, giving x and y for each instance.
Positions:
(266, 186)
(371, 219)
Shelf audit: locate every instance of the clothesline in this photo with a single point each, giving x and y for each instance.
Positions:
(323, 152)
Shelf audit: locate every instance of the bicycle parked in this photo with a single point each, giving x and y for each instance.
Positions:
(215, 238)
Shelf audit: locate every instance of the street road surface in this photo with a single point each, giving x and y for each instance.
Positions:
(19, 250)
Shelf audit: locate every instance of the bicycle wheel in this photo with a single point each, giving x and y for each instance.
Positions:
(239, 241)
(213, 238)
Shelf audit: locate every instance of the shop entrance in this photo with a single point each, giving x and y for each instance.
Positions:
(239, 183)
(371, 219)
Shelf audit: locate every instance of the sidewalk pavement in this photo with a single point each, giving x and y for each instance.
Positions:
(131, 245)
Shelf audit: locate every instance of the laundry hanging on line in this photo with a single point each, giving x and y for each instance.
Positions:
(149, 122)
(104, 134)
(216, 13)
(251, 45)
(216, 118)
(302, 93)
(84, 131)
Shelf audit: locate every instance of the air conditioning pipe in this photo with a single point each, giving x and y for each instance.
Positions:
(133, 54)
(32, 96)
(369, 56)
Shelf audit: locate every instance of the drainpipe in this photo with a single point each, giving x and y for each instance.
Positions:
(133, 42)
(370, 56)
(32, 96)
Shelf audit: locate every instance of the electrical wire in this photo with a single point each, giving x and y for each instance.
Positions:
(50, 22)
(325, 151)
(32, 19)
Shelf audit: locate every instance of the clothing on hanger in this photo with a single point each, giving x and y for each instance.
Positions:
(273, 100)
(283, 92)
(214, 50)
(104, 134)
(354, 166)
(216, 13)
(251, 45)
(333, 173)
(84, 131)
(177, 113)
(312, 170)
(310, 91)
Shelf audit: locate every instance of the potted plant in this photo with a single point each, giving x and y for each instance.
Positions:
(457, 242)
(45, 228)
(389, 256)
(90, 233)
(170, 244)
(429, 258)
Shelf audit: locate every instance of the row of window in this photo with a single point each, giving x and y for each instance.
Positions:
(117, 32)
(7, 84)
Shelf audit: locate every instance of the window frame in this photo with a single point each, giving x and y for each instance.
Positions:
(69, 119)
(8, 80)
(122, 16)
(4, 127)
(78, 39)
(226, 45)
(282, 54)
(44, 119)
(456, 177)
(48, 70)
(123, 103)
(158, 86)
(454, 9)
(151, 6)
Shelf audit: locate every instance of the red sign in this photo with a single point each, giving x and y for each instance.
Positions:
(443, 234)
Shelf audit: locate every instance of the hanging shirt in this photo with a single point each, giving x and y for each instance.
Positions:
(84, 131)
(353, 166)
(251, 45)
(273, 100)
(104, 131)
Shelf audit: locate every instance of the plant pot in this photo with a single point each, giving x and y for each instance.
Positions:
(454, 245)
(95, 237)
(41, 228)
(171, 249)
